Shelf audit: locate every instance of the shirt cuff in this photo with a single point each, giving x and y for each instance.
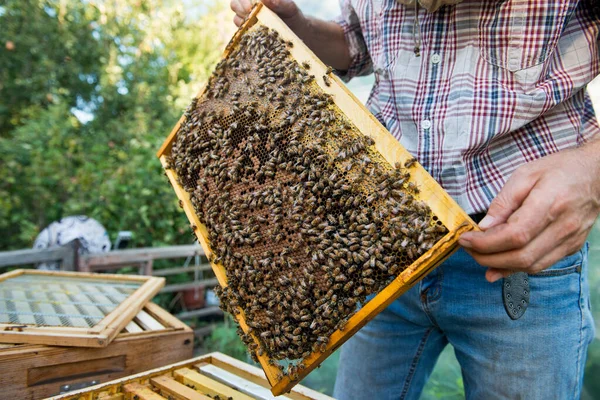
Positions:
(360, 60)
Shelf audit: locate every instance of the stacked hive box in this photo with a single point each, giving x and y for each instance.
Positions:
(303, 202)
(57, 331)
(212, 376)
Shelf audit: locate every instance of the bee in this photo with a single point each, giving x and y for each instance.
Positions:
(410, 162)
(413, 187)
(327, 81)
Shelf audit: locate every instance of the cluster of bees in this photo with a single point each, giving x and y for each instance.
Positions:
(303, 213)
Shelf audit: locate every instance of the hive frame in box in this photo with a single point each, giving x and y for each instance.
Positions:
(249, 379)
(153, 339)
(99, 335)
(441, 204)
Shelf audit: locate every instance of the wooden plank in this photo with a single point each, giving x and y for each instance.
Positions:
(203, 312)
(34, 256)
(132, 327)
(238, 383)
(207, 385)
(175, 389)
(166, 319)
(11, 274)
(130, 256)
(148, 322)
(181, 270)
(113, 323)
(141, 392)
(177, 287)
(70, 274)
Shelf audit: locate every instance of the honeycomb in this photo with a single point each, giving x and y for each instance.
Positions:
(303, 213)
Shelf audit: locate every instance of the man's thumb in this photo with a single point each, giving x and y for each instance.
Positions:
(509, 199)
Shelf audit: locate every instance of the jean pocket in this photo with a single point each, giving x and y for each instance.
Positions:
(568, 265)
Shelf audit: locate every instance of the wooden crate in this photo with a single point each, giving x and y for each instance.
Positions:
(209, 375)
(441, 204)
(70, 308)
(153, 339)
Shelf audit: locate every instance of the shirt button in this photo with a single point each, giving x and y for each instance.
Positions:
(436, 58)
(426, 124)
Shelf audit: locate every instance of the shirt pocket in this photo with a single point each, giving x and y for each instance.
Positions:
(520, 34)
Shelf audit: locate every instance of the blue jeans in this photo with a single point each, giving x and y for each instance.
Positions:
(539, 356)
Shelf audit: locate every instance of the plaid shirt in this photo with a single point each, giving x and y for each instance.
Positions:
(497, 84)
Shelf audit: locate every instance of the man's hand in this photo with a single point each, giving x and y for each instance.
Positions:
(544, 213)
(325, 38)
(286, 9)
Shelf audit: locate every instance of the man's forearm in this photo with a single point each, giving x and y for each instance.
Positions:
(325, 38)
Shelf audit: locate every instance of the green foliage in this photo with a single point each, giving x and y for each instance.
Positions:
(322, 379)
(445, 381)
(130, 67)
(224, 339)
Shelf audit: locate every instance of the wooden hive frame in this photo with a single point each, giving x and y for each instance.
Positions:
(102, 333)
(154, 338)
(211, 374)
(441, 204)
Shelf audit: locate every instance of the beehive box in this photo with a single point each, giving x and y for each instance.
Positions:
(154, 338)
(211, 376)
(70, 308)
(313, 215)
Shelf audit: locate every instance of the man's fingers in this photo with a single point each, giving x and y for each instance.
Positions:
(522, 227)
(509, 199)
(527, 259)
(238, 21)
(247, 4)
(241, 7)
(493, 274)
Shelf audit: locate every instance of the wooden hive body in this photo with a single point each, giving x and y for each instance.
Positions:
(70, 308)
(153, 339)
(387, 148)
(200, 378)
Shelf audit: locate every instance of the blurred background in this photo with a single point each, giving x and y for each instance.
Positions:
(88, 92)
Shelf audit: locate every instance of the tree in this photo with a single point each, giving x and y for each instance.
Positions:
(126, 69)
